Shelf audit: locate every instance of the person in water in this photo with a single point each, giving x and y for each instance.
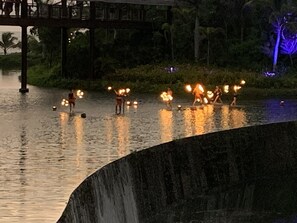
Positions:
(169, 95)
(198, 93)
(217, 95)
(71, 100)
(235, 96)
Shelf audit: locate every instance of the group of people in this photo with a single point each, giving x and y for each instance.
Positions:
(7, 6)
(199, 95)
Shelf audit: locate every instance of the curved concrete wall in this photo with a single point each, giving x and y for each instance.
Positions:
(239, 175)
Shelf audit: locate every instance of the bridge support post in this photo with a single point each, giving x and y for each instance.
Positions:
(24, 88)
(92, 40)
(64, 52)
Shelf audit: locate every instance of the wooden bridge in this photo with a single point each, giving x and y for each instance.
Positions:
(83, 14)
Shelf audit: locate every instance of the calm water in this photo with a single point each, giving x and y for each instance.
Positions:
(46, 154)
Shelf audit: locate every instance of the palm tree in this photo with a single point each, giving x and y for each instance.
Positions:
(8, 42)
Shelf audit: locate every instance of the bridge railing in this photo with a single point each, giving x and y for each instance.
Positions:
(79, 12)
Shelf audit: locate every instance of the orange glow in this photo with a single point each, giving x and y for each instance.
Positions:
(201, 89)
(236, 87)
(166, 125)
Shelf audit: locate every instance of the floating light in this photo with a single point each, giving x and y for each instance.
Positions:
(179, 107)
(127, 90)
(128, 103)
(135, 103)
(54, 108)
(242, 82)
(109, 88)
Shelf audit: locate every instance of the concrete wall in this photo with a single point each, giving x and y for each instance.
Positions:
(239, 175)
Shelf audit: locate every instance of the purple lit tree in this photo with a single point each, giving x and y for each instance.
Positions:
(289, 47)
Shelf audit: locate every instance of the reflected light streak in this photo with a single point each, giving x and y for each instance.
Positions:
(233, 117)
(166, 127)
(122, 125)
(194, 122)
(78, 131)
(238, 118)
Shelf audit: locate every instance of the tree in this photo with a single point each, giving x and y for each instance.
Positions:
(208, 32)
(199, 7)
(9, 41)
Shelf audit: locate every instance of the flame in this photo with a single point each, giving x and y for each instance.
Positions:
(65, 102)
(188, 88)
(200, 88)
(236, 87)
(205, 100)
(226, 88)
(166, 97)
(242, 82)
(80, 93)
(210, 94)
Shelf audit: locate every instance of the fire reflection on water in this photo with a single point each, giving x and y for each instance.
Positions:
(199, 121)
(122, 132)
(166, 125)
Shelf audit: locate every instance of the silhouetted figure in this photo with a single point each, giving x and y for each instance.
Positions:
(71, 100)
(217, 94)
(198, 93)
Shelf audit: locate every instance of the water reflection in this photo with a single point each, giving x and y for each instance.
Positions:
(46, 154)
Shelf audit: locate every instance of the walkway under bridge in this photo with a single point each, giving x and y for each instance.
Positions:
(81, 14)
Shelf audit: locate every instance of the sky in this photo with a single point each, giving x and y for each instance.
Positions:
(16, 30)
(10, 29)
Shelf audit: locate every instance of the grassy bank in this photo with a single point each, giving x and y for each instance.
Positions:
(155, 79)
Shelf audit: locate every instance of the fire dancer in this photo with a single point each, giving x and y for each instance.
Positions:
(169, 95)
(235, 95)
(71, 100)
(217, 95)
(198, 93)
